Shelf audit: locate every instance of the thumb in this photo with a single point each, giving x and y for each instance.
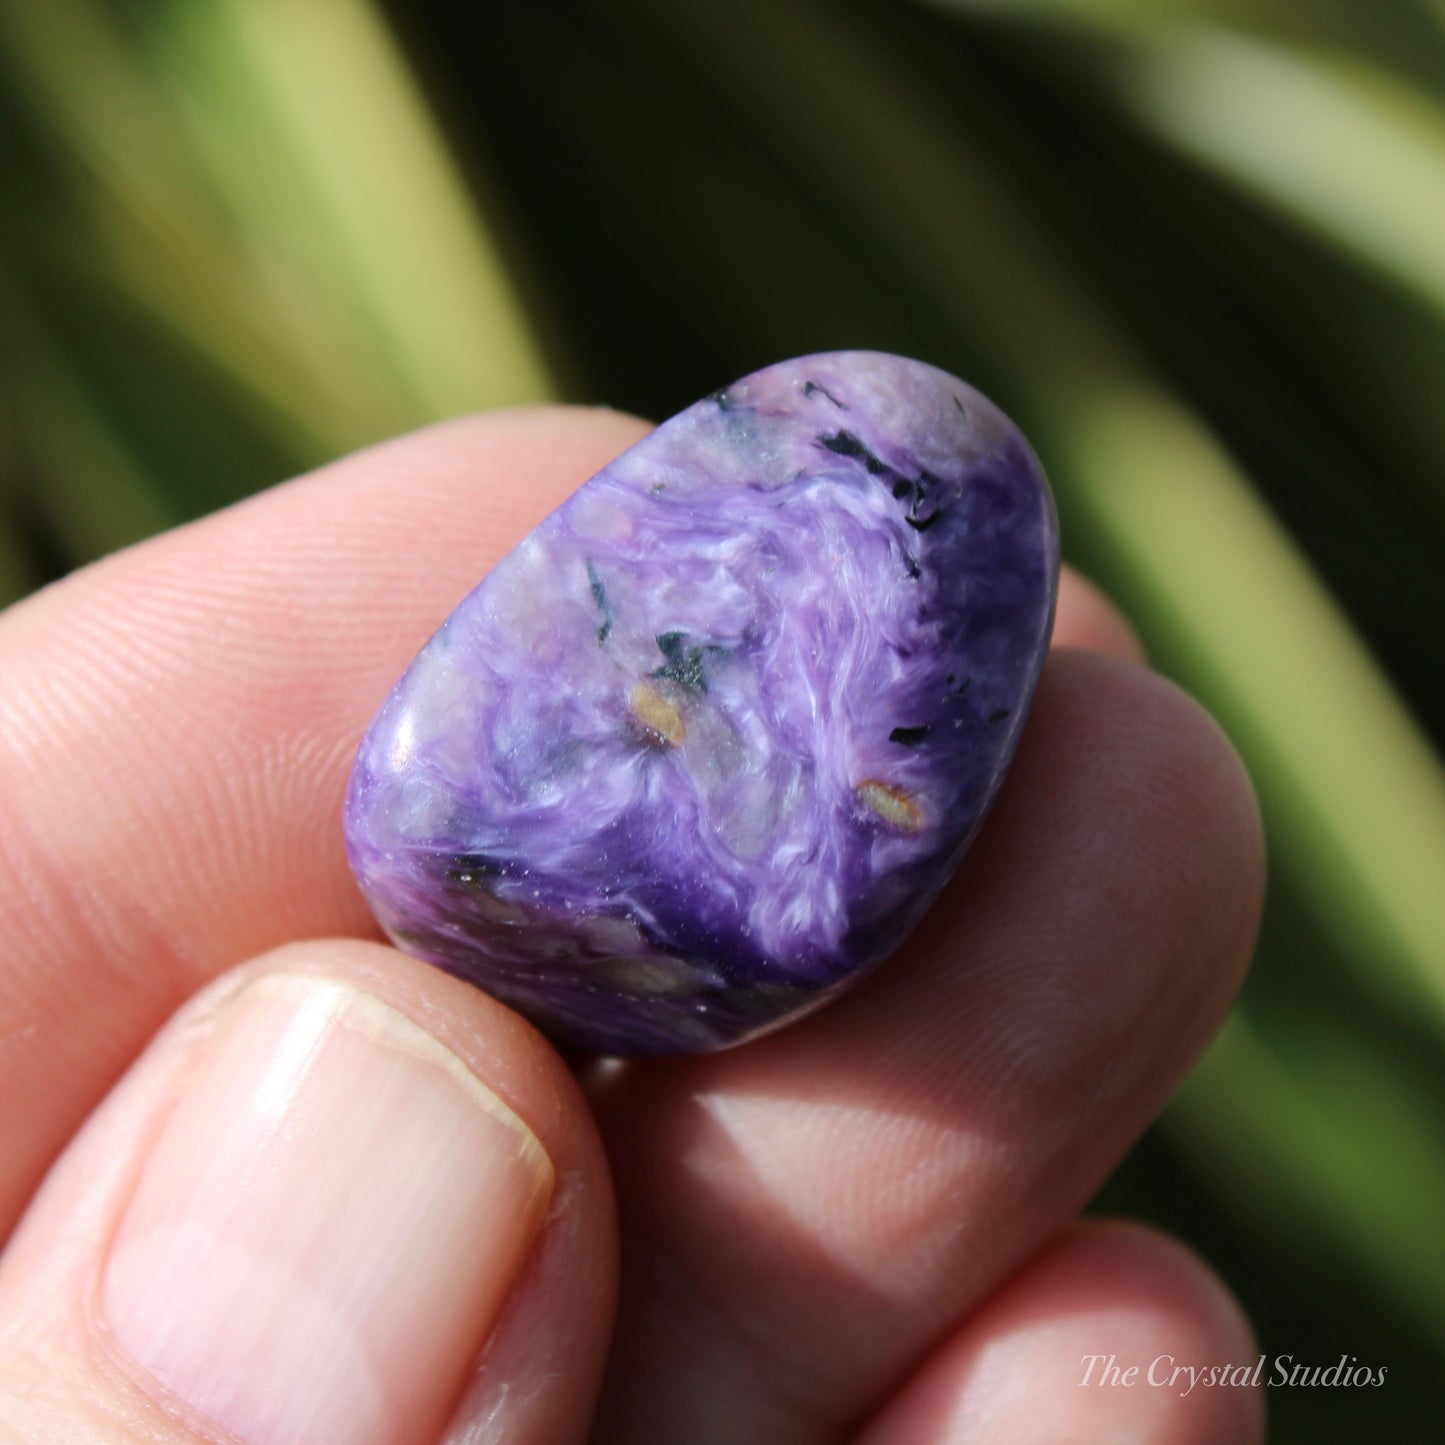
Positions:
(341, 1198)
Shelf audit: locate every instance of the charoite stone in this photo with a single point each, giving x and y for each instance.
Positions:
(703, 747)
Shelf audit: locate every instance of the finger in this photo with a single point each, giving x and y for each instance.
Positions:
(1088, 619)
(1113, 1333)
(341, 1200)
(803, 1217)
(177, 724)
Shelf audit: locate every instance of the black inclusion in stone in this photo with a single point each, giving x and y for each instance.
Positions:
(809, 387)
(471, 869)
(684, 664)
(845, 444)
(599, 596)
(909, 737)
(915, 492)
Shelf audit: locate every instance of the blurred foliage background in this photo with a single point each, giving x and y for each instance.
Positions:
(1195, 247)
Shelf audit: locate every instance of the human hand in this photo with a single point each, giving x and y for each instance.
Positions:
(343, 1199)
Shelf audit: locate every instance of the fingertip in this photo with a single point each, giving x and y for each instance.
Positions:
(1208, 823)
(1113, 1331)
(342, 1197)
(1086, 618)
(1127, 1264)
(1152, 791)
(181, 717)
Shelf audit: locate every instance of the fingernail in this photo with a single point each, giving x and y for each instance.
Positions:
(327, 1227)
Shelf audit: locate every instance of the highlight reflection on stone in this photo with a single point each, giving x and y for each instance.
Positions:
(705, 745)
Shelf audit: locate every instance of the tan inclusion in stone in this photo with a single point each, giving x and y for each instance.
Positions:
(657, 712)
(891, 805)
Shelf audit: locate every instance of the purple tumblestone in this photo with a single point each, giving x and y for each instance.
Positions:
(703, 747)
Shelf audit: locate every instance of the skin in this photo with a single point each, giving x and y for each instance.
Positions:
(861, 1228)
